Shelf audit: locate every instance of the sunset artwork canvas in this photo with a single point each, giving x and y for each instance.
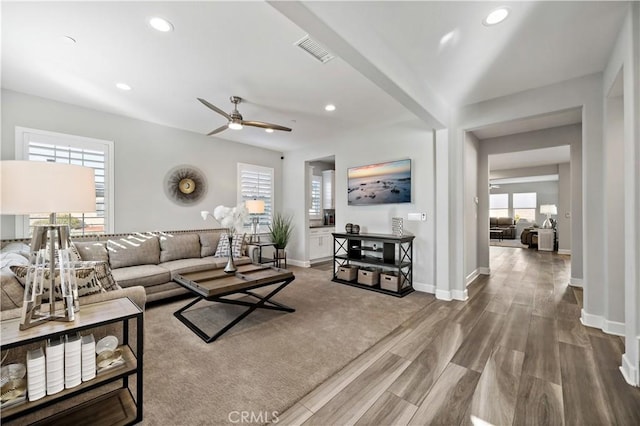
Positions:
(382, 183)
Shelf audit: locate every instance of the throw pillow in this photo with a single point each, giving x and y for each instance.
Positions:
(17, 247)
(134, 250)
(92, 250)
(179, 246)
(209, 242)
(102, 271)
(223, 245)
(85, 278)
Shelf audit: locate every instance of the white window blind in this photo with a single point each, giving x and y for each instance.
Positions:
(524, 206)
(315, 211)
(256, 182)
(498, 205)
(38, 145)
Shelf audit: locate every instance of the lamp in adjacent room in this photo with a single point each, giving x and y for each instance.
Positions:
(255, 208)
(548, 209)
(30, 187)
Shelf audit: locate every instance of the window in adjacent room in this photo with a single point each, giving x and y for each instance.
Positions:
(256, 182)
(498, 205)
(315, 210)
(40, 145)
(524, 206)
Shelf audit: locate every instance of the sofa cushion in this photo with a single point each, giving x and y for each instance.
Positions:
(179, 246)
(85, 279)
(505, 221)
(183, 266)
(12, 291)
(223, 245)
(92, 251)
(143, 275)
(209, 243)
(133, 251)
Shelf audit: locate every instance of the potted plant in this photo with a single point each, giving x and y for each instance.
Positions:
(280, 230)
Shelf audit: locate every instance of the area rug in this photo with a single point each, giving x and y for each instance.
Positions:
(268, 361)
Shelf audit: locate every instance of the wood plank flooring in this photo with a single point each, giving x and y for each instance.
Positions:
(514, 353)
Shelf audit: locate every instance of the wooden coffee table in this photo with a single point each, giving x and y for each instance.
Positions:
(214, 285)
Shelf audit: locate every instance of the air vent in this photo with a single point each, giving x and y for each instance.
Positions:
(315, 49)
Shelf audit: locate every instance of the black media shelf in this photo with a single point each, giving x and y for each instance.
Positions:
(385, 252)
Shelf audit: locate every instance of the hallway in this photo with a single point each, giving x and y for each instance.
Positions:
(514, 353)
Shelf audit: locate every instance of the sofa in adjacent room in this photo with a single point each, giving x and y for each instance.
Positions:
(506, 224)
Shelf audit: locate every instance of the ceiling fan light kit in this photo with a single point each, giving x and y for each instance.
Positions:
(235, 120)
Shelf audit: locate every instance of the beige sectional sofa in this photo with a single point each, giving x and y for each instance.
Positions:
(146, 260)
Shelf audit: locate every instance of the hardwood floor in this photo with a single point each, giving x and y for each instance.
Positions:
(514, 353)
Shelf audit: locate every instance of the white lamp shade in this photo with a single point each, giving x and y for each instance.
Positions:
(548, 209)
(254, 206)
(43, 187)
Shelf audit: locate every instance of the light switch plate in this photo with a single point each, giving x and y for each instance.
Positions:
(417, 216)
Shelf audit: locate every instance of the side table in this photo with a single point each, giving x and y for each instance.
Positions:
(265, 260)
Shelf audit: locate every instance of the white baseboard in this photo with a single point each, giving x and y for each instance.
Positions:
(590, 320)
(443, 295)
(425, 288)
(629, 371)
(460, 294)
(484, 270)
(598, 321)
(472, 276)
(614, 327)
(564, 251)
(300, 263)
(575, 282)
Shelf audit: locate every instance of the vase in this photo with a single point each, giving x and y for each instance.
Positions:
(231, 267)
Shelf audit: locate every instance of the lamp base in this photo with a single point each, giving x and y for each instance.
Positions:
(547, 223)
(37, 275)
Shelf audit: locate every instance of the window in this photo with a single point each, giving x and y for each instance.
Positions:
(315, 211)
(499, 205)
(524, 206)
(39, 145)
(256, 182)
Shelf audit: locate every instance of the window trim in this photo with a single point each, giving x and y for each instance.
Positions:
(22, 153)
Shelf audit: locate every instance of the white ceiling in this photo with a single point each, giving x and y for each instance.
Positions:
(530, 158)
(529, 124)
(219, 49)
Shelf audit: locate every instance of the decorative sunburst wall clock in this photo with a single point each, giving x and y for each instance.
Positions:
(185, 185)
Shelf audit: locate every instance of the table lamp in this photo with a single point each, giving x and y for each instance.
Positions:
(548, 209)
(29, 187)
(255, 208)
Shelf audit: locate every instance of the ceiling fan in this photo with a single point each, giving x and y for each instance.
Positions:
(236, 122)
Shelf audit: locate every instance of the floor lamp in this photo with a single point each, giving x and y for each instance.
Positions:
(255, 208)
(30, 187)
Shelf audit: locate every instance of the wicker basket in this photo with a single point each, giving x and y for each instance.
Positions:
(369, 276)
(347, 272)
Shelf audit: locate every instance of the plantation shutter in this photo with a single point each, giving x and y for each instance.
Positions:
(93, 154)
(256, 182)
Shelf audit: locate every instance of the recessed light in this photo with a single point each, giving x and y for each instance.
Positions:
(330, 107)
(161, 24)
(68, 40)
(496, 16)
(268, 130)
(123, 86)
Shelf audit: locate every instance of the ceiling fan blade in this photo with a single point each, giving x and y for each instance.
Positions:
(218, 130)
(215, 108)
(265, 125)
